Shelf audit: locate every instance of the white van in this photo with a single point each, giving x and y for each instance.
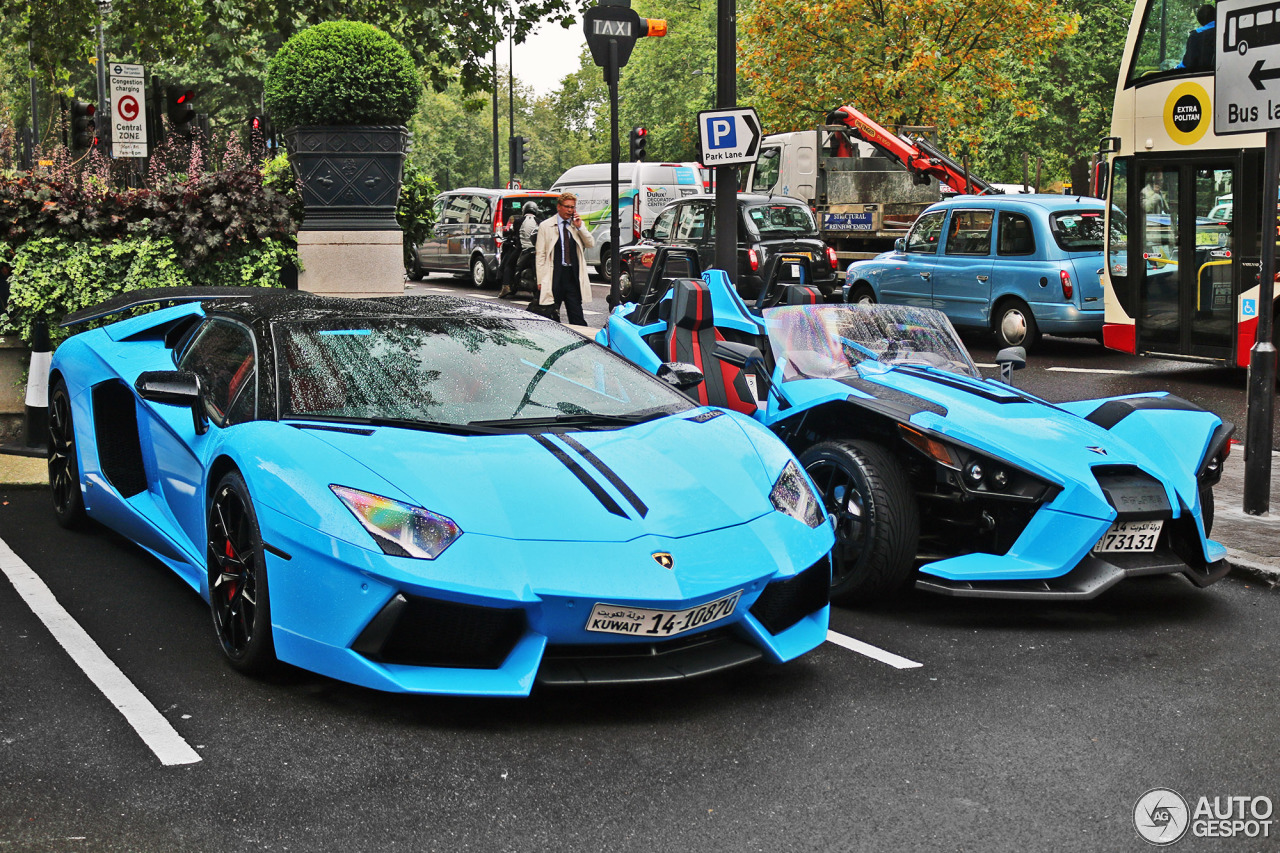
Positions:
(643, 190)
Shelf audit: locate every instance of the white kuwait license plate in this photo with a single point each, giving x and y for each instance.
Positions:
(643, 622)
(1130, 536)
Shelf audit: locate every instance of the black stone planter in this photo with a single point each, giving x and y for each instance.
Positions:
(350, 175)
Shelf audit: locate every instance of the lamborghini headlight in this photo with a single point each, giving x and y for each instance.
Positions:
(792, 495)
(400, 529)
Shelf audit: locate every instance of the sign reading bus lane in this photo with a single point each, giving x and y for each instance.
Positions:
(1247, 73)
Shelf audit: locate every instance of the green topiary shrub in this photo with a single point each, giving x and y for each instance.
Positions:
(341, 73)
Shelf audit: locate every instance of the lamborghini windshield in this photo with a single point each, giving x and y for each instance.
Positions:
(460, 372)
(832, 341)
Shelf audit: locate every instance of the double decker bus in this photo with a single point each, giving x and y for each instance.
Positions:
(1185, 217)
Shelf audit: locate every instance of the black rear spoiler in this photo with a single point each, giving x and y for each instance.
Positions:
(158, 295)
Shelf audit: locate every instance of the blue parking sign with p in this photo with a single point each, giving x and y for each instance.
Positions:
(722, 132)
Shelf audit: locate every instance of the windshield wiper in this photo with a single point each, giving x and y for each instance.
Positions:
(585, 419)
(402, 423)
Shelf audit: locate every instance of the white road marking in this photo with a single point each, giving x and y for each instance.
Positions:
(592, 313)
(1089, 370)
(983, 364)
(146, 720)
(895, 661)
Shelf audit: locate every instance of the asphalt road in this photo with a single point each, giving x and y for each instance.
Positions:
(1024, 727)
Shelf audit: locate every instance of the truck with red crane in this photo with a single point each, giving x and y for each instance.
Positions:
(865, 184)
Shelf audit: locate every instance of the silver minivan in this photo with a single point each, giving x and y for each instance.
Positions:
(467, 236)
(643, 190)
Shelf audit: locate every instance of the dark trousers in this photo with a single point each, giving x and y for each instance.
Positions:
(508, 268)
(566, 289)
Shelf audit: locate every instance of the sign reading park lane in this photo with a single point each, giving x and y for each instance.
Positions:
(1247, 74)
(129, 111)
(729, 137)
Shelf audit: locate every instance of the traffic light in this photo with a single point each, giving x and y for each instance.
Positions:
(83, 128)
(517, 154)
(260, 136)
(102, 135)
(639, 139)
(180, 109)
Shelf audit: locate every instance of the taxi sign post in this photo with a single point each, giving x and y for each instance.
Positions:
(1247, 100)
(612, 29)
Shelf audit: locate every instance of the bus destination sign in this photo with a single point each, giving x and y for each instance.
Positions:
(1247, 71)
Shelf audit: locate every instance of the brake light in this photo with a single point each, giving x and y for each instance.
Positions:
(831, 257)
(497, 224)
(753, 259)
(636, 222)
(1067, 287)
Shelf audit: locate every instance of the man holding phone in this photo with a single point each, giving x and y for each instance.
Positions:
(562, 276)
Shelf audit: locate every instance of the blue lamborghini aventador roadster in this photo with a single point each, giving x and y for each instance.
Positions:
(432, 495)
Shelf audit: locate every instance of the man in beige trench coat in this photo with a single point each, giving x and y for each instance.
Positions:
(562, 272)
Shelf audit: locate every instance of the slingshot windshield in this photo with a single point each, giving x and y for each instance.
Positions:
(832, 341)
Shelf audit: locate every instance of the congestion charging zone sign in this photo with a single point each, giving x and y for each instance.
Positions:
(729, 137)
(1247, 74)
(129, 111)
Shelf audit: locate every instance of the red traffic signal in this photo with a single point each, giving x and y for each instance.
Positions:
(179, 108)
(639, 140)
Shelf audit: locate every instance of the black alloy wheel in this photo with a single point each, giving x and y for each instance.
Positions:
(64, 462)
(238, 593)
(877, 520)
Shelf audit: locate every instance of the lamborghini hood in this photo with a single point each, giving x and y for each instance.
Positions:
(670, 477)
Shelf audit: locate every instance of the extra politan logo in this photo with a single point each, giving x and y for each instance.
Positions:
(1162, 817)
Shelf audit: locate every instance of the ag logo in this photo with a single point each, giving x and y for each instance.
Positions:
(1161, 816)
(664, 559)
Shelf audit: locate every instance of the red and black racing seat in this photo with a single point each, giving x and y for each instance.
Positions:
(692, 337)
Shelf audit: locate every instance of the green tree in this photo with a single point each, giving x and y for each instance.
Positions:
(1072, 91)
(669, 79)
(222, 46)
(900, 61)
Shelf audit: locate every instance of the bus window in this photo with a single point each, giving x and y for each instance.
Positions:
(1118, 237)
(1162, 43)
(1161, 284)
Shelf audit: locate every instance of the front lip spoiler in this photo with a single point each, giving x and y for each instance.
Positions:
(1089, 579)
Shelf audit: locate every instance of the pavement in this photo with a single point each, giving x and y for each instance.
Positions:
(1252, 541)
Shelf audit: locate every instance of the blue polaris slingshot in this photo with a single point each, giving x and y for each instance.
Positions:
(961, 485)
(433, 495)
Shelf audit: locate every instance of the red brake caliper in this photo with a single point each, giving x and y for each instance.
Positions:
(231, 591)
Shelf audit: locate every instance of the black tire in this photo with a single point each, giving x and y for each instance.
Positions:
(1206, 510)
(1015, 325)
(238, 594)
(624, 286)
(877, 520)
(414, 268)
(862, 294)
(479, 272)
(606, 264)
(64, 459)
